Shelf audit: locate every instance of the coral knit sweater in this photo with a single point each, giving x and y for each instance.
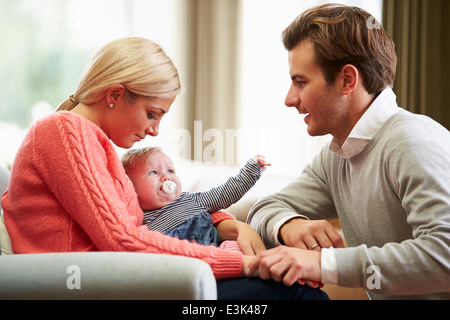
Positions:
(68, 192)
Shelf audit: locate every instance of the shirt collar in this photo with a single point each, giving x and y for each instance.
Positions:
(384, 107)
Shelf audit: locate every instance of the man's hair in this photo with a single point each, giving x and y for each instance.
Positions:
(346, 35)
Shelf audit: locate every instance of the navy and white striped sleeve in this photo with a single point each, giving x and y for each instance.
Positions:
(232, 190)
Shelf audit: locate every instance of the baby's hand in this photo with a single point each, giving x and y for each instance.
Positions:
(262, 161)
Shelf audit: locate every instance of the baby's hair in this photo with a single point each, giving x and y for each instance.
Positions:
(130, 158)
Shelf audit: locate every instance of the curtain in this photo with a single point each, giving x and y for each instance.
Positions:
(209, 37)
(421, 32)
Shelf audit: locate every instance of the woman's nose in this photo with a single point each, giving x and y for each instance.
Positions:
(153, 130)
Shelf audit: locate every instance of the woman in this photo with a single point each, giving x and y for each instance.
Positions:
(68, 190)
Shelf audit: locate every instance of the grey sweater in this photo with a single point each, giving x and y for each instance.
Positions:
(393, 202)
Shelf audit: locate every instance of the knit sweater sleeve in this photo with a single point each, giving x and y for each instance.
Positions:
(416, 157)
(83, 172)
(308, 197)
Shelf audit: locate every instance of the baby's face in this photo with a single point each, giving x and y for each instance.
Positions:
(149, 175)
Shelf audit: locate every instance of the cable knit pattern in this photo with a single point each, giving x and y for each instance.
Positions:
(69, 192)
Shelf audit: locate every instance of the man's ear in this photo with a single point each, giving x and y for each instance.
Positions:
(350, 76)
(114, 92)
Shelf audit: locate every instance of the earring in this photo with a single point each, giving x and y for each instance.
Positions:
(111, 105)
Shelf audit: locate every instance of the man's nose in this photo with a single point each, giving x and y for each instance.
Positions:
(292, 98)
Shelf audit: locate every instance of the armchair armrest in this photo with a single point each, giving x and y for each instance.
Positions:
(100, 275)
(105, 275)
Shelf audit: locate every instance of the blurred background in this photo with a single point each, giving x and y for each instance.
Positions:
(231, 61)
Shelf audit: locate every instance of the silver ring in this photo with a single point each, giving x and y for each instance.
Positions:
(313, 246)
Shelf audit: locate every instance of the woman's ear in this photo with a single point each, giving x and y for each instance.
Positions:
(114, 92)
(350, 75)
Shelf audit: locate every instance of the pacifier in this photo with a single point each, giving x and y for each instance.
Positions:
(169, 186)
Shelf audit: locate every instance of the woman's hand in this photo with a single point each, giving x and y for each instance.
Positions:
(248, 240)
(285, 264)
(246, 266)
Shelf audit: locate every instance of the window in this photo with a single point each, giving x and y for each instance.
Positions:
(271, 128)
(47, 44)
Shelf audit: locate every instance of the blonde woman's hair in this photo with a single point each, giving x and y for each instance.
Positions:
(130, 158)
(139, 64)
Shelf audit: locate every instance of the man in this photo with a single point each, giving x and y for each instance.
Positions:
(385, 174)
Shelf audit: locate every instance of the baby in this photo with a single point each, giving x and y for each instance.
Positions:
(184, 215)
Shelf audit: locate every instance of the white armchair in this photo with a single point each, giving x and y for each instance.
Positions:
(100, 275)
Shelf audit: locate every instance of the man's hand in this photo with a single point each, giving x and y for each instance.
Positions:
(310, 234)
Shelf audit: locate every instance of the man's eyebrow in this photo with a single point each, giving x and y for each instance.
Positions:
(297, 76)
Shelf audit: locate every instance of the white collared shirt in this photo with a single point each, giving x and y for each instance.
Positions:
(384, 107)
